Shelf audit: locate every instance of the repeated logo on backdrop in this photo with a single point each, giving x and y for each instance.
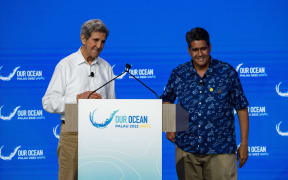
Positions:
(21, 153)
(11, 155)
(120, 77)
(9, 76)
(20, 113)
(279, 131)
(278, 125)
(11, 114)
(257, 111)
(142, 73)
(22, 74)
(282, 94)
(251, 71)
(56, 131)
(258, 150)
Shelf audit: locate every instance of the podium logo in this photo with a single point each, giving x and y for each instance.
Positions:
(251, 71)
(282, 94)
(10, 116)
(55, 132)
(132, 121)
(281, 133)
(104, 123)
(9, 157)
(10, 76)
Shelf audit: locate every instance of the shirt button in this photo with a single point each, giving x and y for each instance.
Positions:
(199, 126)
(199, 137)
(199, 114)
(200, 91)
(200, 103)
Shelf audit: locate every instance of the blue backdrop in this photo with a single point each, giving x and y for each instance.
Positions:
(250, 35)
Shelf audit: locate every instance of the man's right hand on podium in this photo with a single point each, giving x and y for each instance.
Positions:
(86, 94)
(171, 136)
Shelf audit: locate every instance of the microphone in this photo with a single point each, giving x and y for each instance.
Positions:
(127, 67)
(157, 96)
(91, 74)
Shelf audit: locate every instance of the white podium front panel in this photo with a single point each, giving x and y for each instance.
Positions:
(120, 139)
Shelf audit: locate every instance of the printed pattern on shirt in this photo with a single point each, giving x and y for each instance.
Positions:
(210, 102)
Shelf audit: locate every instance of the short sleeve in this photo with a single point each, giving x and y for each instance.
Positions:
(238, 97)
(169, 92)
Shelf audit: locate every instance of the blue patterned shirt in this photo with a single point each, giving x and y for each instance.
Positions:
(210, 102)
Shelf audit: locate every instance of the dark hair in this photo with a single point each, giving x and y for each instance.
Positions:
(197, 33)
(93, 25)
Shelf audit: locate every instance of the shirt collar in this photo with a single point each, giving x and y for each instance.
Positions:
(209, 70)
(81, 59)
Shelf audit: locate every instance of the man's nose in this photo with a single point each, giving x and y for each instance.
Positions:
(200, 53)
(99, 45)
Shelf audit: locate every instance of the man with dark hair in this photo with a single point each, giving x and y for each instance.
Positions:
(75, 77)
(209, 90)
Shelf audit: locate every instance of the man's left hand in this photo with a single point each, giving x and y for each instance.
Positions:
(242, 155)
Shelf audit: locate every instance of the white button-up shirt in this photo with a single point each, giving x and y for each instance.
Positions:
(71, 77)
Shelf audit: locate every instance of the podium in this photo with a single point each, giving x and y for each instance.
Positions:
(121, 139)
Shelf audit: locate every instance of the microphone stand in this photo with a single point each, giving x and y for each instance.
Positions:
(126, 70)
(157, 96)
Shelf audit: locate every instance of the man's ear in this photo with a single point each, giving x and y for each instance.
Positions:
(210, 48)
(83, 39)
(189, 51)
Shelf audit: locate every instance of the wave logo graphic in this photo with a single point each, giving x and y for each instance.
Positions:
(11, 115)
(238, 67)
(10, 76)
(283, 94)
(8, 158)
(55, 131)
(281, 133)
(120, 77)
(102, 124)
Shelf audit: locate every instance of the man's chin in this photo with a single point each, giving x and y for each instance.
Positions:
(94, 56)
(201, 64)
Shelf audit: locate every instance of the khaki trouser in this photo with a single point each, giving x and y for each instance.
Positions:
(67, 152)
(205, 167)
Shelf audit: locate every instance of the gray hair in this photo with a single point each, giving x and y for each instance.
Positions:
(93, 25)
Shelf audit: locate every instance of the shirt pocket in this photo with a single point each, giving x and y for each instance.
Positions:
(220, 93)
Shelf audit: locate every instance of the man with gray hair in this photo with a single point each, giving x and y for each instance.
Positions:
(75, 77)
